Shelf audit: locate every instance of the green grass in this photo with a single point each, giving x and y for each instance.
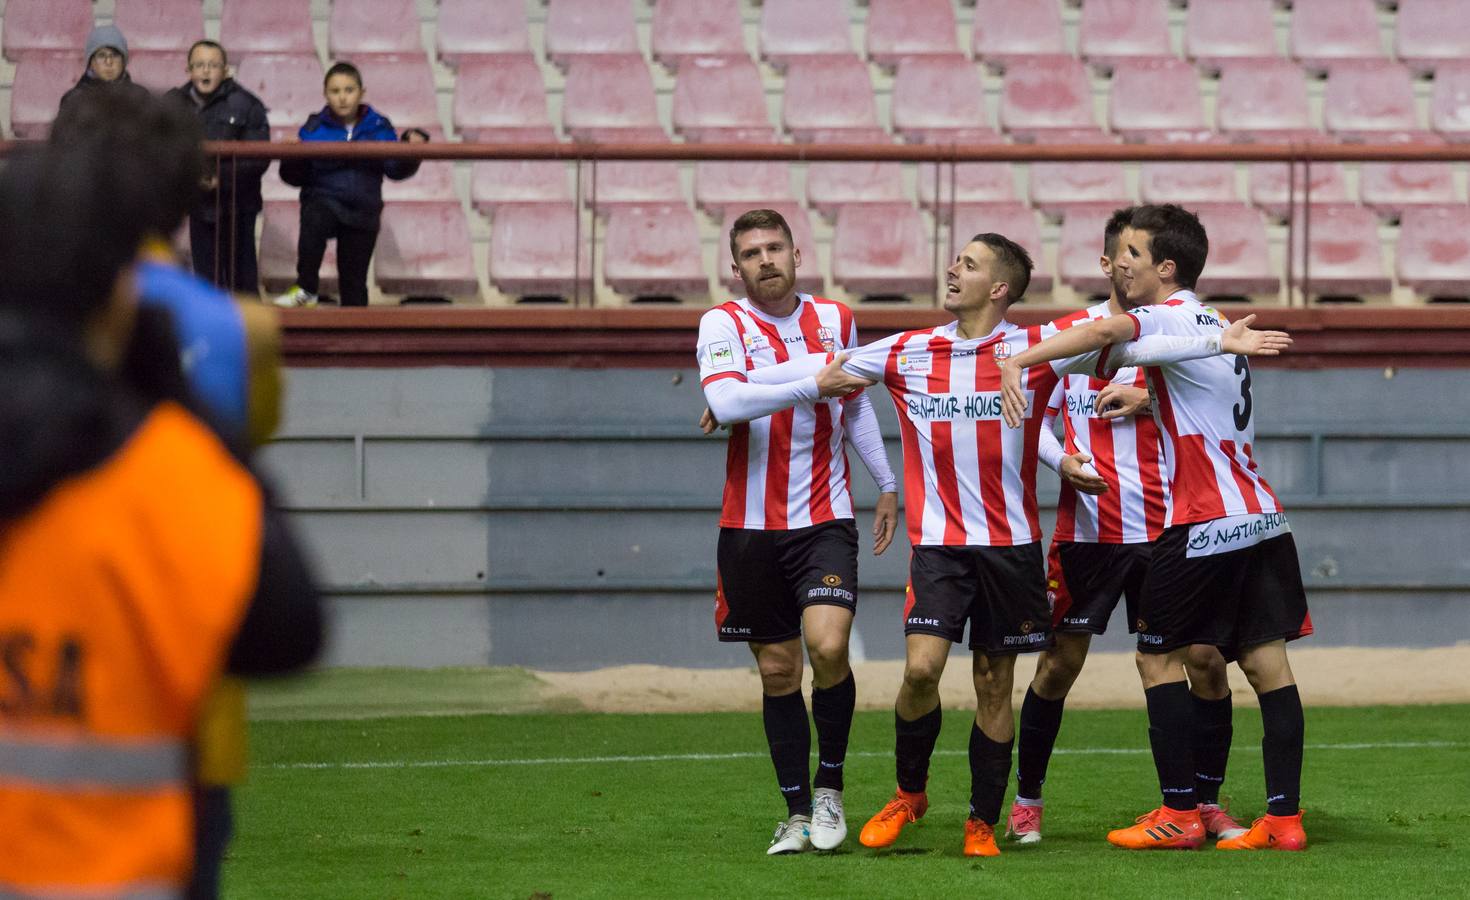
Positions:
(1384, 822)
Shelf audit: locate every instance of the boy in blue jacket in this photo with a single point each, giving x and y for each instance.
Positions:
(342, 198)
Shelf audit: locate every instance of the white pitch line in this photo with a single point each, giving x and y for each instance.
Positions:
(718, 757)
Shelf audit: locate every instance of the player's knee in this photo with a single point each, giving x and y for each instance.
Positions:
(1207, 673)
(779, 674)
(921, 678)
(828, 658)
(1055, 674)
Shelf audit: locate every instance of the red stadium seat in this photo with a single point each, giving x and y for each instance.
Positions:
(654, 251)
(1433, 254)
(1080, 246)
(652, 183)
(1219, 31)
(685, 29)
(158, 71)
(1006, 31)
(496, 182)
(163, 25)
(1271, 188)
(589, 27)
(248, 27)
(1371, 100)
(1014, 220)
(46, 26)
(1264, 100)
(1046, 95)
(883, 250)
(402, 88)
(1155, 100)
(830, 186)
(720, 186)
(280, 224)
(1391, 188)
(808, 274)
(983, 184)
(1056, 187)
(903, 29)
(1431, 32)
(1327, 32)
(474, 29)
(1345, 252)
(720, 96)
(540, 249)
(606, 92)
(360, 27)
(1240, 258)
(432, 183)
(424, 249)
(1449, 106)
(289, 84)
(1187, 182)
(501, 96)
(938, 97)
(40, 80)
(831, 94)
(792, 29)
(1112, 31)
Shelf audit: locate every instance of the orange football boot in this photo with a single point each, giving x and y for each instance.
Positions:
(883, 829)
(980, 838)
(1162, 829)
(1270, 833)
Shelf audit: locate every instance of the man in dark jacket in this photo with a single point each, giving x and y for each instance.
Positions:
(222, 223)
(107, 64)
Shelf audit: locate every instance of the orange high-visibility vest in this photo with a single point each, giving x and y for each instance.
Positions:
(120, 594)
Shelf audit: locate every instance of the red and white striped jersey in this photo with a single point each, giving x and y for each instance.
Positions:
(786, 470)
(1126, 453)
(1204, 410)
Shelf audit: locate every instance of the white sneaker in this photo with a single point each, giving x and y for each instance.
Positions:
(829, 824)
(792, 836)
(296, 296)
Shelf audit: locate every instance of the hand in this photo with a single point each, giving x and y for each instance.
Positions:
(707, 421)
(1239, 338)
(291, 139)
(1013, 399)
(1080, 475)
(885, 521)
(834, 381)
(1118, 400)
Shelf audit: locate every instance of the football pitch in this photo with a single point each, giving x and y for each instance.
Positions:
(456, 784)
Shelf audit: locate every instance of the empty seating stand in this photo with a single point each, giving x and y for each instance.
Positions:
(740, 185)
(606, 92)
(612, 183)
(1219, 31)
(1431, 33)
(360, 27)
(540, 250)
(157, 70)
(1433, 255)
(1057, 187)
(1325, 33)
(289, 84)
(424, 249)
(1187, 182)
(831, 186)
(495, 182)
(718, 97)
(401, 87)
(1157, 100)
(1040, 96)
(1080, 245)
(905, 29)
(883, 251)
(690, 29)
(1449, 106)
(1112, 31)
(1240, 258)
(795, 29)
(500, 98)
(1271, 188)
(1371, 100)
(1264, 100)
(1391, 188)
(40, 80)
(968, 183)
(1006, 31)
(937, 99)
(477, 29)
(168, 26)
(1345, 253)
(589, 28)
(808, 274)
(248, 27)
(1016, 221)
(831, 95)
(46, 26)
(654, 251)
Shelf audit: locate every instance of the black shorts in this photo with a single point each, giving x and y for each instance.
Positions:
(1001, 591)
(1084, 582)
(766, 578)
(1233, 600)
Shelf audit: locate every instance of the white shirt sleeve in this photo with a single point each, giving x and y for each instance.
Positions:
(720, 352)
(733, 401)
(860, 424)
(1048, 448)
(869, 361)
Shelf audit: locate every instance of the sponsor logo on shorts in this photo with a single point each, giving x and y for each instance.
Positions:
(721, 355)
(1235, 533)
(1156, 640)
(820, 592)
(827, 340)
(832, 580)
(915, 363)
(1021, 640)
(918, 620)
(1077, 620)
(730, 629)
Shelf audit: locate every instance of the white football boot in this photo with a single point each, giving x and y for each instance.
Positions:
(792, 836)
(829, 824)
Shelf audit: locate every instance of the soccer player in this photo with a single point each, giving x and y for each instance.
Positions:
(1111, 509)
(971, 511)
(1225, 570)
(787, 558)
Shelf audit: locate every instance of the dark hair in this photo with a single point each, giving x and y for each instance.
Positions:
(1175, 233)
(342, 68)
(213, 45)
(759, 218)
(1120, 219)
(1015, 263)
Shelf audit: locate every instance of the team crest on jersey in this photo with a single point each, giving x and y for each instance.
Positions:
(826, 338)
(1001, 351)
(915, 363)
(721, 355)
(755, 343)
(832, 580)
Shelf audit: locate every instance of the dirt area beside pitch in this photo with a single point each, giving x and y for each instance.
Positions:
(1334, 676)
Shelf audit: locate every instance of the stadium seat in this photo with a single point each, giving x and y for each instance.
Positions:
(606, 92)
(1080, 246)
(1264, 100)
(1016, 221)
(361, 27)
(654, 251)
(1449, 105)
(474, 29)
(1431, 32)
(540, 249)
(982, 183)
(289, 84)
(1006, 31)
(1391, 188)
(808, 274)
(1327, 32)
(46, 26)
(1219, 31)
(1046, 95)
(1240, 258)
(1155, 100)
(589, 27)
(500, 95)
(168, 26)
(832, 94)
(248, 27)
(494, 182)
(1345, 253)
(645, 183)
(1271, 190)
(831, 186)
(791, 29)
(1187, 182)
(904, 29)
(280, 224)
(719, 186)
(1057, 187)
(720, 96)
(883, 251)
(1112, 31)
(158, 71)
(1433, 255)
(1371, 100)
(684, 29)
(40, 80)
(432, 183)
(402, 88)
(424, 249)
(938, 98)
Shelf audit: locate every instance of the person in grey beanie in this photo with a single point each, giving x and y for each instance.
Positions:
(107, 63)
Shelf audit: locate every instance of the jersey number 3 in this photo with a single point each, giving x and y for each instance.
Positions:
(1242, 409)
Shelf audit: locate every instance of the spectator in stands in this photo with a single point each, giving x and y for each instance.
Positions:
(107, 64)
(342, 198)
(222, 223)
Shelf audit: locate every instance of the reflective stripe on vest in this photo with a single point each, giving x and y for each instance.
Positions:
(77, 765)
(125, 892)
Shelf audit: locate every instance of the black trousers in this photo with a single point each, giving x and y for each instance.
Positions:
(213, 827)
(225, 255)
(354, 251)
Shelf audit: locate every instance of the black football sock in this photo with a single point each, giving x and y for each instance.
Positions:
(1041, 719)
(1212, 734)
(1281, 749)
(990, 768)
(913, 747)
(790, 737)
(1169, 736)
(832, 711)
